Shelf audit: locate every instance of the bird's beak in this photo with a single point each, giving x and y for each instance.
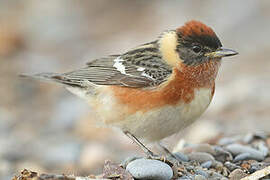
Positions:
(221, 52)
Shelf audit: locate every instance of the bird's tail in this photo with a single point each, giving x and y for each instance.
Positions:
(48, 77)
(57, 78)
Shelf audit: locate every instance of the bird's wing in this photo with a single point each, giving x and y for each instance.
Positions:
(138, 68)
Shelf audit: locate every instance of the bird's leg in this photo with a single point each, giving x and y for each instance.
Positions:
(150, 154)
(147, 151)
(169, 153)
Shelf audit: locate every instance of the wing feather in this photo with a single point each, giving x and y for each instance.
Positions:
(141, 67)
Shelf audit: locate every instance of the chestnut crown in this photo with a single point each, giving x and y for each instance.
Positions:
(198, 43)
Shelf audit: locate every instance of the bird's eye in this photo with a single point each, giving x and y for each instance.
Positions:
(196, 49)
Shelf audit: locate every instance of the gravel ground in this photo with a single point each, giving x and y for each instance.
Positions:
(233, 158)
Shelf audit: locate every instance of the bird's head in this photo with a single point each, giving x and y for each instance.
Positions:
(193, 44)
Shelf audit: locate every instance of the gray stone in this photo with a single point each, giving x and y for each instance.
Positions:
(248, 138)
(237, 174)
(186, 178)
(149, 169)
(181, 156)
(241, 157)
(263, 148)
(255, 166)
(237, 149)
(228, 140)
(201, 172)
(207, 164)
(222, 155)
(129, 160)
(215, 176)
(199, 177)
(231, 166)
(201, 157)
(260, 135)
(204, 148)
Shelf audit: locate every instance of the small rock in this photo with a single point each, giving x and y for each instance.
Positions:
(237, 174)
(149, 169)
(241, 157)
(181, 156)
(185, 178)
(113, 171)
(201, 157)
(246, 165)
(255, 167)
(199, 177)
(262, 147)
(267, 160)
(207, 164)
(237, 149)
(222, 155)
(228, 140)
(129, 160)
(260, 135)
(204, 148)
(215, 176)
(248, 138)
(230, 166)
(201, 172)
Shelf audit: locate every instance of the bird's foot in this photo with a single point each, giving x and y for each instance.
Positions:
(169, 158)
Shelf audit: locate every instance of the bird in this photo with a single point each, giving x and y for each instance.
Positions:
(155, 89)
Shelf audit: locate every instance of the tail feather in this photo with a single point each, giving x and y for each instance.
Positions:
(52, 77)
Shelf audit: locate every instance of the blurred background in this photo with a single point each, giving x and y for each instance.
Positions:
(45, 128)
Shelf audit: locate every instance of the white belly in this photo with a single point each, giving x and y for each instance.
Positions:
(160, 123)
(151, 125)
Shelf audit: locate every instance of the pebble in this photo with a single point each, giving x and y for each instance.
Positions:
(241, 157)
(262, 147)
(237, 149)
(230, 166)
(149, 169)
(215, 176)
(267, 160)
(260, 135)
(222, 155)
(201, 172)
(201, 157)
(252, 136)
(181, 156)
(255, 167)
(237, 174)
(248, 138)
(129, 160)
(199, 177)
(204, 148)
(228, 140)
(185, 178)
(113, 171)
(207, 164)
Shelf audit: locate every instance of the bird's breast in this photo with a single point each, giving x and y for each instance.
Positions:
(179, 88)
(160, 122)
(157, 113)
